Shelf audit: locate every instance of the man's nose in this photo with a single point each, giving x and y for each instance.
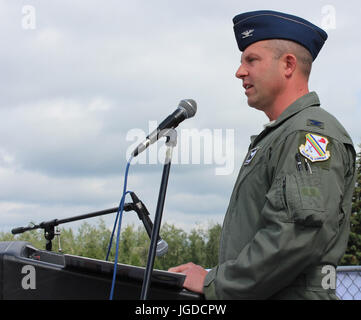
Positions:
(241, 72)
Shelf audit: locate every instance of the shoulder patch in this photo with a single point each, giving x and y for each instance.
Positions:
(315, 147)
(251, 155)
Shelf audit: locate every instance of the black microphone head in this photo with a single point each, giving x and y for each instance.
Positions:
(189, 106)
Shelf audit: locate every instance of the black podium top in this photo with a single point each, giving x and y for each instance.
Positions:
(63, 276)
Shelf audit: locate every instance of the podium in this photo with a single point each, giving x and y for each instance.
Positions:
(27, 273)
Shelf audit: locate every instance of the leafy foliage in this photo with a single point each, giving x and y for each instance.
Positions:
(92, 241)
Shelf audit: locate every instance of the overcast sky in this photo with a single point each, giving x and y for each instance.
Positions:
(80, 81)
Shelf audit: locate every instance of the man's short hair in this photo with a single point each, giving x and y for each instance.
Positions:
(304, 57)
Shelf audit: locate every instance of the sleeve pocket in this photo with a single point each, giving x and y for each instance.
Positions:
(303, 198)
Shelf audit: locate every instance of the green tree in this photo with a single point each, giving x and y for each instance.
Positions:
(197, 246)
(68, 242)
(133, 246)
(212, 246)
(92, 240)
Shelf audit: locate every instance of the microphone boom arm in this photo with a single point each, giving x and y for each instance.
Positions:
(49, 226)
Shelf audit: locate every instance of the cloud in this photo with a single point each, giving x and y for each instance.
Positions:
(74, 87)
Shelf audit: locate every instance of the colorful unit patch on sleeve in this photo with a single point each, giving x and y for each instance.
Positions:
(315, 148)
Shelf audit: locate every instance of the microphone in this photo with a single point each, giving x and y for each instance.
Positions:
(186, 109)
(143, 214)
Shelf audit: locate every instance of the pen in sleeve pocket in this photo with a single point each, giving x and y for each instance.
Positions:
(299, 163)
(308, 167)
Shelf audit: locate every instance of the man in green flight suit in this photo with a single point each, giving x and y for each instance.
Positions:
(289, 211)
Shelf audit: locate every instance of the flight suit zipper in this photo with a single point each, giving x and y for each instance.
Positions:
(284, 192)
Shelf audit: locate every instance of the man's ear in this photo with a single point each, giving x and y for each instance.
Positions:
(290, 63)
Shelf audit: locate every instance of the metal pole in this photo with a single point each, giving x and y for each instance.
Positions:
(171, 143)
(56, 222)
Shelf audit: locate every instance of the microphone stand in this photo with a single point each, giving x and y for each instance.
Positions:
(48, 226)
(170, 143)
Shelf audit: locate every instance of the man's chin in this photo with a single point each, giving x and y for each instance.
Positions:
(256, 105)
(253, 103)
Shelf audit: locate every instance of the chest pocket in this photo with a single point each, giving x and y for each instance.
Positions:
(253, 159)
(303, 199)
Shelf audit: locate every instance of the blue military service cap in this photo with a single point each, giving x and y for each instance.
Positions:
(255, 26)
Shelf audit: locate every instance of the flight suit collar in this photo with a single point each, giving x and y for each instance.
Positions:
(308, 100)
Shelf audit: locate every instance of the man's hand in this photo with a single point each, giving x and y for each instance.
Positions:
(194, 276)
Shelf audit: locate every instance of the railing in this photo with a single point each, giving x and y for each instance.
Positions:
(348, 285)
